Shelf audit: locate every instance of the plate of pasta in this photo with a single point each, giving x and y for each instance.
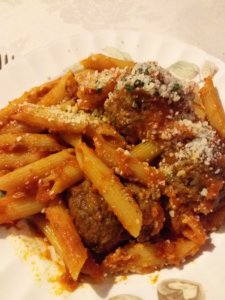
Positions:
(111, 170)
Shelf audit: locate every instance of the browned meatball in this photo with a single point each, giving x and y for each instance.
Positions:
(145, 98)
(97, 225)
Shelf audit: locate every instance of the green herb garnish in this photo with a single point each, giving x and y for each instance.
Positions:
(138, 83)
(129, 88)
(176, 87)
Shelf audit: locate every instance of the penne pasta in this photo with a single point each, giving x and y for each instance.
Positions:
(147, 257)
(199, 107)
(59, 180)
(30, 173)
(90, 267)
(100, 62)
(14, 126)
(53, 118)
(189, 225)
(92, 97)
(31, 141)
(69, 243)
(32, 96)
(66, 177)
(213, 107)
(12, 208)
(11, 161)
(146, 151)
(109, 186)
(43, 224)
(58, 92)
(71, 139)
(108, 133)
(3, 172)
(126, 165)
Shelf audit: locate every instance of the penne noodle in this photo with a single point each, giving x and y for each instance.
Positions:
(100, 62)
(59, 180)
(68, 105)
(147, 257)
(198, 107)
(94, 87)
(126, 165)
(67, 175)
(58, 92)
(71, 139)
(194, 231)
(82, 75)
(11, 161)
(31, 141)
(147, 150)
(106, 151)
(213, 107)
(199, 111)
(90, 267)
(14, 126)
(109, 186)
(12, 209)
(30, 173)
(43, 224)
(144, 173)
(54, 119)
(69, 243)
(32, 96)
(190, 226)
(3, 172)
(108, 133)
(91, 98)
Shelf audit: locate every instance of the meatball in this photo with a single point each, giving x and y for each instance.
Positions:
(97, 225)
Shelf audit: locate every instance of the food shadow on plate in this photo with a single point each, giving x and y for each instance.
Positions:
(102, 290)
(221, 229)
(207, 247)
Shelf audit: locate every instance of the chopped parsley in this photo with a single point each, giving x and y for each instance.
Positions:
(176, 87)
(138, 83)
(129, 88)
(143, 71)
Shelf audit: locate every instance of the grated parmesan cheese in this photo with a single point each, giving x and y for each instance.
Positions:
(202, 147)
(19, 138)
(204, 192)
(153, 79)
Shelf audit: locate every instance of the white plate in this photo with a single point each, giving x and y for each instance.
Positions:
(17, 279)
